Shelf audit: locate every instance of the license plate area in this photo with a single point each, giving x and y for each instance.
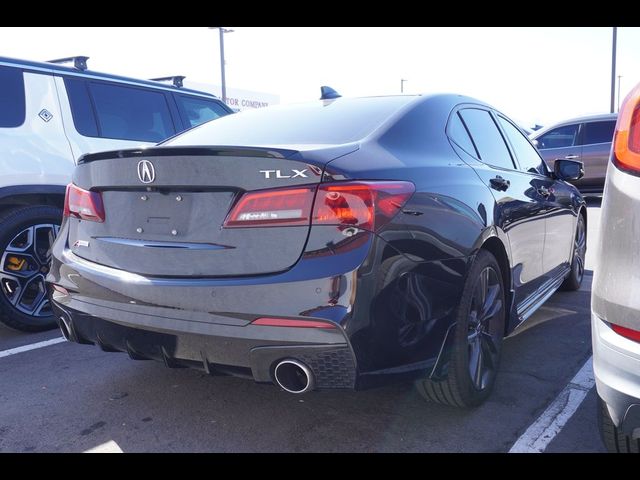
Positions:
(165, 215)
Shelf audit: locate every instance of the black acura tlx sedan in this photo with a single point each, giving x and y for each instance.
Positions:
(342, 243)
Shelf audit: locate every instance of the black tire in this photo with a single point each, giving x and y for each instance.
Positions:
(14, 309)
(574, 279)
(613, 439)
(473, 337)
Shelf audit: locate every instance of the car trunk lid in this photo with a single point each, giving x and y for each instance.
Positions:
(165, 208)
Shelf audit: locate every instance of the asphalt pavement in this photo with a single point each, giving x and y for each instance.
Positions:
(73, 398)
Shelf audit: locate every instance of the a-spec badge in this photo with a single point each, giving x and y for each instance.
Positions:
(146, 171)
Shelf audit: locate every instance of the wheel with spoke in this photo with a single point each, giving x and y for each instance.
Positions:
(477, 343)
(574, 279)
(26, 239)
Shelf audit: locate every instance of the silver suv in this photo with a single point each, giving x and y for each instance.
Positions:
(586, 139)
(615, 301)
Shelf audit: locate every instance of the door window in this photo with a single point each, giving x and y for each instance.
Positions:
(12, 101)
(559, 137)
(487, 138)
(528, 158)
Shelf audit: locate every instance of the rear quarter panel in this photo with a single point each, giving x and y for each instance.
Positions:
(406, 318)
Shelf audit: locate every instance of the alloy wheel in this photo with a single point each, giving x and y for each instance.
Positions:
(580, 249)
(483, 335)
(23, 268)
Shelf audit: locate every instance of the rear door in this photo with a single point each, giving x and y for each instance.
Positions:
(561, 142)
(596, 139)
(556, 196)
(519, 210)
(103, 116)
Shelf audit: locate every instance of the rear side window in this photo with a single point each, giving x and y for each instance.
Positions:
(129, 113)
(458, 133)
(559, 137)
(598, 132)
(487, 138)
(197, 110)
(12, 102)
(528, 158)
(81, 109)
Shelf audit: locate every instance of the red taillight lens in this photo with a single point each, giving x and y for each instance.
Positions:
(83, 204)
(626, 332)
(627, 137)
(366, 205)
(272, 208)
(287, 322)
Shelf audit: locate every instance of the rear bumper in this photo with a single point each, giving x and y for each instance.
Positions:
(206, 323)
(249, 351)
(616, 360)
(616, 365)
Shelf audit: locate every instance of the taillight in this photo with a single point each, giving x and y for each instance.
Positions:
(626, 332)
(83, 204)
(365, 205)
(272, 208)
(627, 136)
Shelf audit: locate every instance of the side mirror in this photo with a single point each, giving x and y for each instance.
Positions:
(568, 169)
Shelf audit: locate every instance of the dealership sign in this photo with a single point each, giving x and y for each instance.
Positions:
(238, 99)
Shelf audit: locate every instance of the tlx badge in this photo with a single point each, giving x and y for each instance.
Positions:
(278, 173)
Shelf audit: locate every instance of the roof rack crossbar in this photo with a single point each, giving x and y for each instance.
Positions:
(79, 62)
(175, 79)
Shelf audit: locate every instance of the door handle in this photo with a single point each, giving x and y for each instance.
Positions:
(544, 191)
(499, 183)
(570, 157)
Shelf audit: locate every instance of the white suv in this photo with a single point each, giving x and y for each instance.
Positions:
(615, 301)
(50, 115)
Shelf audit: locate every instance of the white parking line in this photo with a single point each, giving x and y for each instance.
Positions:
(107, 447)
(555, 417)
(33, 346)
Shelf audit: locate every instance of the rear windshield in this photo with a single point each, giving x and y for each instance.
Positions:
(330, 122)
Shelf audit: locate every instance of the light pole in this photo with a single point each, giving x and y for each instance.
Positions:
(402, 80)
(222, 31)
(613, 67)
(619, 77)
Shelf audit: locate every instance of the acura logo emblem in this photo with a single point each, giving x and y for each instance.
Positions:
(146, 172)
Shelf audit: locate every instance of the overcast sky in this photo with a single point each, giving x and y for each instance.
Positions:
(532, 74)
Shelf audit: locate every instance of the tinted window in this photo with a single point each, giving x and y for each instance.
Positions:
(527, 155)
(81, 110)
(199, 110)
(458, 133)
(559, 137)
(599, 132)
(331, 122)
(487, 138)
(12, 106)
(129, 113)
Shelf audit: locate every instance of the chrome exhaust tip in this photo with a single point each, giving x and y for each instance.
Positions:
(293, 376)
